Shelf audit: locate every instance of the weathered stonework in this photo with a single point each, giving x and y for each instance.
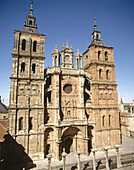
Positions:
(62, 106)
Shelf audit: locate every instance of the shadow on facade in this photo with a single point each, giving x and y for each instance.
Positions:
(13, 155)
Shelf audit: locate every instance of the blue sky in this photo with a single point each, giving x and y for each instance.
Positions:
(72, 20)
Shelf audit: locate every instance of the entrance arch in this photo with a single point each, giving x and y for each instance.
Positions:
(70, 139)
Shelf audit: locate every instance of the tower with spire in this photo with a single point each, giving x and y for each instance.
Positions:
(99, 61)
(26, 105)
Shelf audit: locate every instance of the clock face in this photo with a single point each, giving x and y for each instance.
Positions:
(67, 58)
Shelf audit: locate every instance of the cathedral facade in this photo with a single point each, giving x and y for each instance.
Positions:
(62, 106)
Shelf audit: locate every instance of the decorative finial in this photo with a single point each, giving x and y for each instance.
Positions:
(62, 47)
(78, 50)
(67, 46)
(31, 9)
(56, 47)
(95, 25)
(95, 21)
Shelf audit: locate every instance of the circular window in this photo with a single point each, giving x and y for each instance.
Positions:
(67, 88)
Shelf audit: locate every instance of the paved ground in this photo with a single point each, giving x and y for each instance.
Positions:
(127, 147)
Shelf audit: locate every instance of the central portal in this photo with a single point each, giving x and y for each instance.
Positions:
(70, 139)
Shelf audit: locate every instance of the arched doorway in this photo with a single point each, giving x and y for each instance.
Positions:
(70, 138)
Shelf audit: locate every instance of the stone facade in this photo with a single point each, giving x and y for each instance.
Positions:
(62, 106)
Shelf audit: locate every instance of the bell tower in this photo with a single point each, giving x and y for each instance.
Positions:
(99, 61)
(26, 105)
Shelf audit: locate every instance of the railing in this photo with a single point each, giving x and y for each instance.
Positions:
(110, 162)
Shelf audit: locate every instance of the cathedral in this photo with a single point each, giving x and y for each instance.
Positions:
(66, 105)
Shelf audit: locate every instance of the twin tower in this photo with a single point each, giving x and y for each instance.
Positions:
(62, 106)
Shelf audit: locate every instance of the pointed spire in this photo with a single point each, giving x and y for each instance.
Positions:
(31, 9)
(56, 47)
(67, 46)
(121, 101)
(78, 50)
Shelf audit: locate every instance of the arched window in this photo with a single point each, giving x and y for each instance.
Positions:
(30, 123)
(100, 72)
(34, 46)
(99, 55)
(106, 55)
(103, 120)
(55, 60)
(23, 44)
(23, 67)
(109, 120)
(97, 36)
(33, 68)
(20, 123)
(30, 22)
(107, 74)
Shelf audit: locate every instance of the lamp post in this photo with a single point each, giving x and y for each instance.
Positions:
(106, 153)
(94, 164)
(79, 153)
(64, 154)
(119, 165)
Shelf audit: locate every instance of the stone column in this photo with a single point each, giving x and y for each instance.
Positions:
(119, 165)
(107, 162)
(94, 164)
(49, 156)
(64, 159)
(79, 153)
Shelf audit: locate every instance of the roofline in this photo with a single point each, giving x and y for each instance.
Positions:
(29, 33)
(100, 46)
(97, 46)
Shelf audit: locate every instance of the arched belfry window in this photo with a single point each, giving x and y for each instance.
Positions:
(56, 61)
(107, 74)
(100, 73)
(34, 46)
(99, 52)
(30, 22)
(23, 67)
(23, 44)
(20, 123)
(106, 55)
(97, 36)
(33, 68)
